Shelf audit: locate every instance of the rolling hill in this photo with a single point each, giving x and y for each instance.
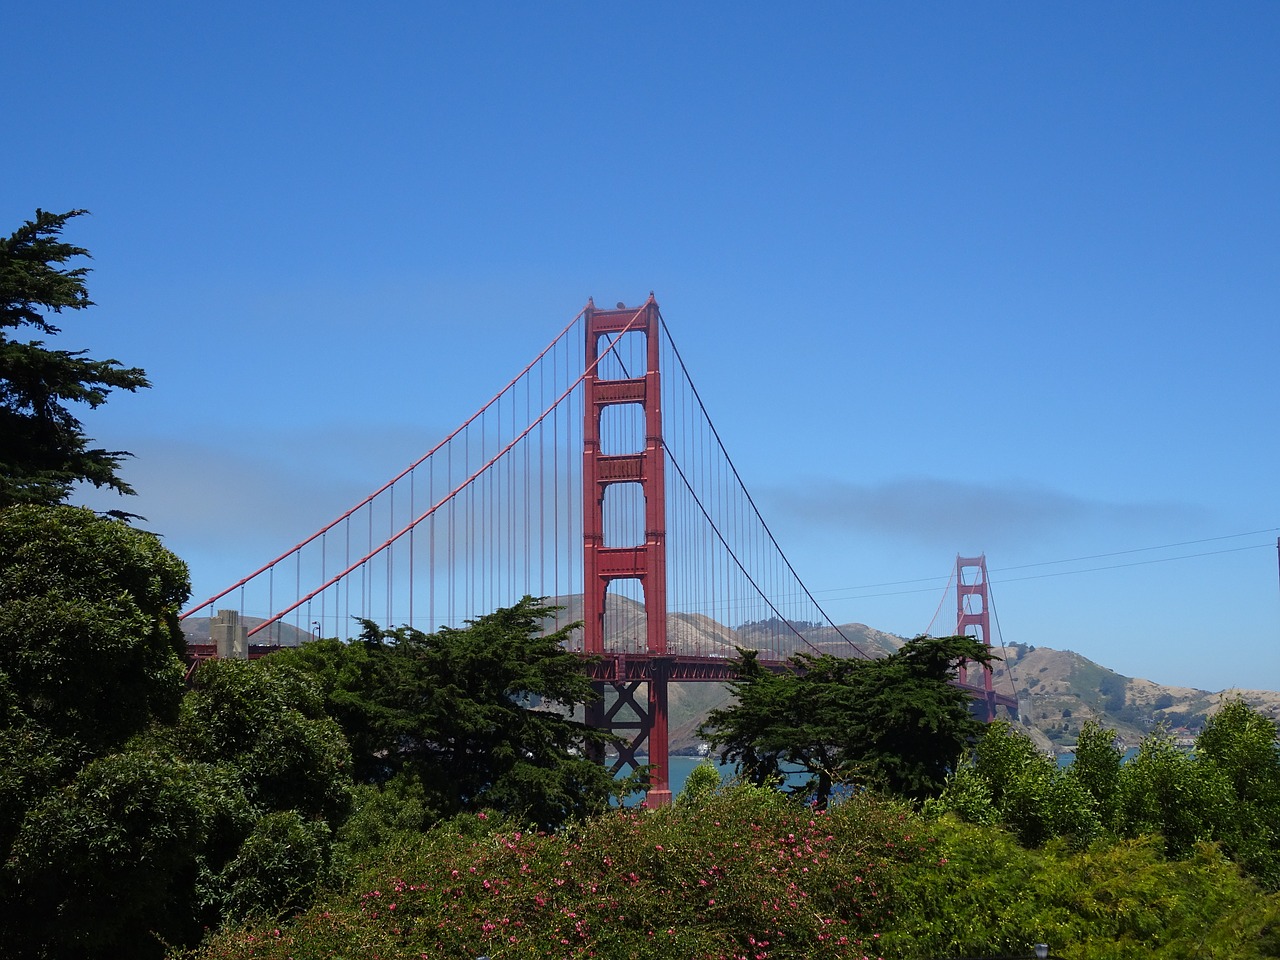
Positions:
(1057, 690)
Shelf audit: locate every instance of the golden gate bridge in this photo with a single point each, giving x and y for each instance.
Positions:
(597, 479)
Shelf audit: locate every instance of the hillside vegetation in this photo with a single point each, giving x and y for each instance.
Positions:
(1058, 692)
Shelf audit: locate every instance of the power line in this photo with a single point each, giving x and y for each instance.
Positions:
(1137, 563)
(1164, 546)
(1059, 573)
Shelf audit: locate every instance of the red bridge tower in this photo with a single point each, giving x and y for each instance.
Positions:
(973, 618)
(645, 562)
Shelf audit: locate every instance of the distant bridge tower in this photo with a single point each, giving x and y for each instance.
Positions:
(645, 562)
(973, 618)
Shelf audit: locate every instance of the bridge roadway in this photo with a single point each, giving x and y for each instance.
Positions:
(632, 668)
(641, 667)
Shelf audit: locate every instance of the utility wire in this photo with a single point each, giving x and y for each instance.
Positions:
(1045, 563)
(1165, 546)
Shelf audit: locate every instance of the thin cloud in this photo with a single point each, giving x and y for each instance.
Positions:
(256, 492)
(938, 512)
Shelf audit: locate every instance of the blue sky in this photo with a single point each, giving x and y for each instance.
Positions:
(1007, 274)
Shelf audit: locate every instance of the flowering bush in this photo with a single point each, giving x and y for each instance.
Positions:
(744, 873)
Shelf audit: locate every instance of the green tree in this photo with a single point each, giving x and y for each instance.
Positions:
(762, 731)
(230, 814)
(1010, 782)
(896, 723)
(43, 447)
(1096, 767)
(130, 817)
(1226, 791)
(122, 859)
(1241, 745)
(278, 869)
(1167, 791)
(355, 680)
(266, 719)
(480, 717)
(90, 645)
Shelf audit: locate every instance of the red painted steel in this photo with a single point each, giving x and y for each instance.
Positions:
(973, 618)
(634, 667)
(382, 489)
(646, 563)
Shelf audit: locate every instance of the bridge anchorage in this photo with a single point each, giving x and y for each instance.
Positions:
(594, 478)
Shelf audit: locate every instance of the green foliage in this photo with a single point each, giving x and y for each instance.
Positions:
(1024, 790)
(743, 873)
(89, 639)
(382, 815)
(911, 722)
(895, 723)
(228, 814)
(355, 681)
(43, 447)
(454, 711)
(1166, 791)
(702, 783)
(1096, 768)
(1226, 791)
(130, 817)
(277, 869)
(986, 895)
(89, 644)
(144, 848)
(762, 731)
(267, 720)
(1242, 745)
(748, 873)
(116, 858)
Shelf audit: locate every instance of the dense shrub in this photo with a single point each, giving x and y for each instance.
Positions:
(1225, 791)
(120, 857)
(1010, 782)
(278, 868)
(744, 872)
(738, 873)
(989, 896)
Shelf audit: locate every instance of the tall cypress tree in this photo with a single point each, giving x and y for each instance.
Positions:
(43, 447)
(896, 723)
